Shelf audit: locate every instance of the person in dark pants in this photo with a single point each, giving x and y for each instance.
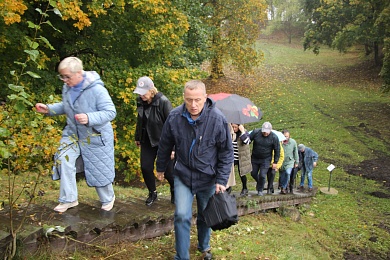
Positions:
(293, 177)
(272, 172)
(264, 143)
(153, 109)
(242, 152)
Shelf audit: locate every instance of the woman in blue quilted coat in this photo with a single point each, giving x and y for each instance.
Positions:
(88, 134)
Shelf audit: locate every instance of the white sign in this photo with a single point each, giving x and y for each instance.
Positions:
(331, 167)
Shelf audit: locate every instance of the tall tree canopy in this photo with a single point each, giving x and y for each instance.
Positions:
(342, 24)
(121, 40)
(235, 27)
(286, 16)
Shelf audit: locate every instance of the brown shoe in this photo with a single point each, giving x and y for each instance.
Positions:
(310, 189)
(283, 191)
(301, 188)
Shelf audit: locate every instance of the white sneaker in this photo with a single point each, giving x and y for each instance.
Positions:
(62, 207)
(109, 206)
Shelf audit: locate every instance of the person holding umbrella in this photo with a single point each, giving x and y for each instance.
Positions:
(241, 141)
(265, 147)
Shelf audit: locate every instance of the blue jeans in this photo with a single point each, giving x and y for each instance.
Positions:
(67, 155)
(183, 218)
(285, 177)
(309, 178)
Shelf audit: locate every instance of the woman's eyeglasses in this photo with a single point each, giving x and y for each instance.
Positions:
(64, 77)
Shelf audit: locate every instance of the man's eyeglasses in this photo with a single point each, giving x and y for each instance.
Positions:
(64, 77)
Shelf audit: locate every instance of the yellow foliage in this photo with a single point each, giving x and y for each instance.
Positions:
(11, 11)
(71, 10)
(129, 80)
(126, 95)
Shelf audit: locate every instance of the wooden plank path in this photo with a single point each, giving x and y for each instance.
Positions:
(129, 220)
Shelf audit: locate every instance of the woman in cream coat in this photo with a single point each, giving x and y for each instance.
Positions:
(242, 157)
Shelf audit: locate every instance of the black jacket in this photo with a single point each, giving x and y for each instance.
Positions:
(263, 146)
(156, 115)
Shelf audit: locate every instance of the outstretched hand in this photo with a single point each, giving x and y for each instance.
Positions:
(41, 108)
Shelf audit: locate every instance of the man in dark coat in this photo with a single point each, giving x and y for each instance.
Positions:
(204, 156)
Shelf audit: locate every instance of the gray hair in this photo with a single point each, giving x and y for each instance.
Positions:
(195, 84)
(72, 63)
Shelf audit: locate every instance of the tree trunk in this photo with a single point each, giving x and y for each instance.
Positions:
(376, 54)
(216, 68)
(217, 60)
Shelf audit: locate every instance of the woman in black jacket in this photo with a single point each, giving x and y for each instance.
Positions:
(153, 109)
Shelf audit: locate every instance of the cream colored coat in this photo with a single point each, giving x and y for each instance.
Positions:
(244, 157)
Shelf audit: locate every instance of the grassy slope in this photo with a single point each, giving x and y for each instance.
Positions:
(315, 98)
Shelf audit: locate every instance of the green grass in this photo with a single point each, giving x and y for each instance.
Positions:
(322, 102)
(286, 55)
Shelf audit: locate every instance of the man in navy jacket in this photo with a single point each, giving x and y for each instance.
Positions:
(204, 156)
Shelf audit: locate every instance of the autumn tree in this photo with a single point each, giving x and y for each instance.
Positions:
(123, 40)
(234, 27)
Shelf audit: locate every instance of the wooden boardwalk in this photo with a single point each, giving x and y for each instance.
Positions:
(129, 220)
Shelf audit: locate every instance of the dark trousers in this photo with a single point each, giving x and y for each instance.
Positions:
(148, 157)
(270, 177)
(259, 173)
(243, 178)
(293, 176)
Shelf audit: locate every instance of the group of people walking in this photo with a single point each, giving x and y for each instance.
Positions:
(192, 146)
(268, 156)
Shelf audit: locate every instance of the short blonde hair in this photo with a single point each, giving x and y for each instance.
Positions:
(72, 63)
(153, 90)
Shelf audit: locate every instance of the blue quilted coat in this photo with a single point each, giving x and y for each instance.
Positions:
(96, 139)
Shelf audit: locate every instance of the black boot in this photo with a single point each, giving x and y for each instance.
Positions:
(291, 189)
(244, 192)
(152, 197)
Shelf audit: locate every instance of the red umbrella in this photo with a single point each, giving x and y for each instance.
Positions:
(237, 109)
